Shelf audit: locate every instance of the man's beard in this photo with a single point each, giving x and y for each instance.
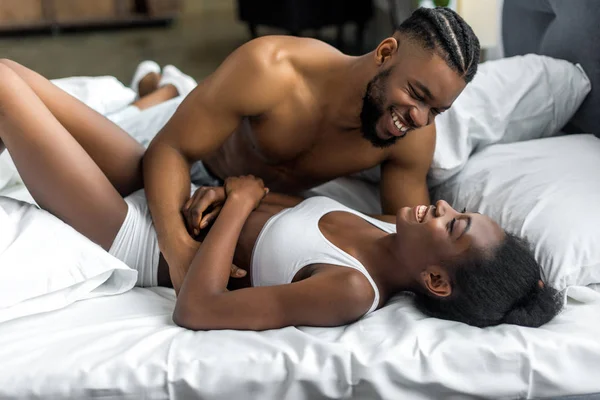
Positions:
(372, 110)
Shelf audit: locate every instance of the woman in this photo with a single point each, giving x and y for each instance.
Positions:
(318, 263)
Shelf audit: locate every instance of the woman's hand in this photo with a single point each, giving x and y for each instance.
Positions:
(246, 188)
(200, 210)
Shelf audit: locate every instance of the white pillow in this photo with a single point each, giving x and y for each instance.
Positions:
(46, 265)
(546, 190)
(105, 94)
(509, 100)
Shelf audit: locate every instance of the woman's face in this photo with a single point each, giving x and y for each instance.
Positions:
(431, 235)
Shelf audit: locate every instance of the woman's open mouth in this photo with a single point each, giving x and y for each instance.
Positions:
(422, 211)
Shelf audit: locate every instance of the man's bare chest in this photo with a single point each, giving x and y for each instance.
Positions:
(294, 155)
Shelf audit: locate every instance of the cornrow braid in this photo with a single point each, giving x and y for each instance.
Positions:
(442, 30)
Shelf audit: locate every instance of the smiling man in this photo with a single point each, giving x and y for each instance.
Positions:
(297, 113)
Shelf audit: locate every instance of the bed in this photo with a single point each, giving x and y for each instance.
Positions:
(124, 345)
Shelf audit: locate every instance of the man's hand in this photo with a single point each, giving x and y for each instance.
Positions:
(205, 198)
(202, 208)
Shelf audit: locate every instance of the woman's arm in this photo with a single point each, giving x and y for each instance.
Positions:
(334, 296)
(210, 268)
(284, 200)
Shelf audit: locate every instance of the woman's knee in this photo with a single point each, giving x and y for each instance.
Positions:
(8, 78)
(9, 63)
(15, 67)
(10, 86)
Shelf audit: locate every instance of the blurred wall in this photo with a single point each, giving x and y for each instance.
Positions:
(198, 6)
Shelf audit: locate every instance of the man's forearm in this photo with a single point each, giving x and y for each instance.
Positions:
(167, 185)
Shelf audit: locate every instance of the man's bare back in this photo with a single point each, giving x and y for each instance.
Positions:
(297, 113)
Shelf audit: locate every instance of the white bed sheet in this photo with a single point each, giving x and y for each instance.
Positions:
(126, 346)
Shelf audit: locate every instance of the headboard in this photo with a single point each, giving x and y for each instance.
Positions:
(568, 30)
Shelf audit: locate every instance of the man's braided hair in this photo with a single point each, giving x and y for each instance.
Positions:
(445, 32)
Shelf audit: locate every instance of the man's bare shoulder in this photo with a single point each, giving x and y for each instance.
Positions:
(281, 52)
(263, 72)
(253, 79)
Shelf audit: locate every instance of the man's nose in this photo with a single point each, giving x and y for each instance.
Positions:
(419, 116)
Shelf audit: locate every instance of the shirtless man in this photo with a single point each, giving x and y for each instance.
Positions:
(297, 113)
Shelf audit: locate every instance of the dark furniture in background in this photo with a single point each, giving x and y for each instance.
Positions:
(55, 15)
(296, 16)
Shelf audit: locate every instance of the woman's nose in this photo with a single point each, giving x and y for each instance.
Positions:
(441, 208)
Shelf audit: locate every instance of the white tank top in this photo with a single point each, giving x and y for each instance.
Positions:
(291, 240)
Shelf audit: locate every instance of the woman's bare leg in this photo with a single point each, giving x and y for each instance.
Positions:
(148, 84)
(70, 158)
(158, 96)
(116, 153)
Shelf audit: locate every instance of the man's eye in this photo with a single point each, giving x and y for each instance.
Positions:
(415, 95)
(419, 98)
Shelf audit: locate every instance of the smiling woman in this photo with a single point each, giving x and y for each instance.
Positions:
(480, 274)
(461, 266)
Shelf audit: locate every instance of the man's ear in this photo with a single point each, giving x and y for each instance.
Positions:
(436, 280)
(386, 49)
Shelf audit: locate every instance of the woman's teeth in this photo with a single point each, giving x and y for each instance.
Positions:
(397, 123)
(421, 211)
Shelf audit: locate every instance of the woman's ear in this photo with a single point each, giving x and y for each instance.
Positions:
(436, 280)
(386, 49)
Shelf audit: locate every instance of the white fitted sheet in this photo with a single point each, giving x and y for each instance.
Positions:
(126, 346)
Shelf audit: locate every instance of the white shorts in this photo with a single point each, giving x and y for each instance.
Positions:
(136, 243)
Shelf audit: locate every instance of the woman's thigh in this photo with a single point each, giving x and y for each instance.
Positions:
(59, 173)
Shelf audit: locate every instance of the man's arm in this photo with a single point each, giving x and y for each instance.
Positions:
(250, 82)
(404, 174)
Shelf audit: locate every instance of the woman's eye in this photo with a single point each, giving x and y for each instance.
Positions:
(450, 226)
